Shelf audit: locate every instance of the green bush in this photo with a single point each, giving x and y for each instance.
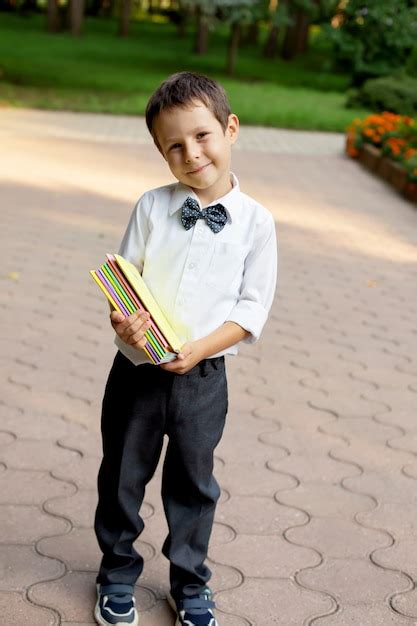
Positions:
(390, 93)
(373, 38)
(411, 65)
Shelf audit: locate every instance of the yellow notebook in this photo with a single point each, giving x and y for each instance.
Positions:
(138, 284)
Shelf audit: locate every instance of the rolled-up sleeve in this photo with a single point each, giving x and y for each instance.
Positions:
(259, 282)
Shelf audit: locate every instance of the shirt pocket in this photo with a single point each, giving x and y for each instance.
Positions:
(225, 270)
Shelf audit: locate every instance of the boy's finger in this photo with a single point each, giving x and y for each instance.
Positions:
(117, 317)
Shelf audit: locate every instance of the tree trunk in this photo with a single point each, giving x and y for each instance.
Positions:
(76, 16)
(53, 21)
(202, 34)
(233, 48)
(296, 36)
(271, 45)
(252, 34)
(124, 23)
(182, 24)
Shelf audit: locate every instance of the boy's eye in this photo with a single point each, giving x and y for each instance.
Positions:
(175, 145)
(201, 135)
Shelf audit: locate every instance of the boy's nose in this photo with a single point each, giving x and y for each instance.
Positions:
(192, 153)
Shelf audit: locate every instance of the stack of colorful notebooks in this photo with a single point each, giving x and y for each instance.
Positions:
(125, 288)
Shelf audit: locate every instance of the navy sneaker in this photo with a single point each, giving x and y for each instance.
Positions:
(115, 605)
(194, 607)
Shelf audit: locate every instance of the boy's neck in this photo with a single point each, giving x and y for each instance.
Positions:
(208, 196)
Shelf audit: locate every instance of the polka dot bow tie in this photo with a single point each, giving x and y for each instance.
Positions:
(215, 215)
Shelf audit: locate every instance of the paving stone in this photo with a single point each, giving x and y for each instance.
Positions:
(365, 614)
(222, 533)
(400, 556)
(375, 457)
(21, 566)
(362, 429)
(82, 472)
(282, 602)
(354, 581)
(88, 442)
(223, 576)
(36, 455)
(279, 558)
(17, 611)
(406, 604)
(313, 467)
(79, 508)
(35, 426)
(159, 615)
(324, 500)
(257, 515)
(341, 341)
(387, 517)
(80, 551)
(385, 485)
(74, 596)
(26, 524)
(337, 538)
(26, 487)
(6, 438)
(246, 479)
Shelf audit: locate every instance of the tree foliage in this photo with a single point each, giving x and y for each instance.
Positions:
(371, 37)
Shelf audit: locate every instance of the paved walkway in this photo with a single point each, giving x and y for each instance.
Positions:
(318, 516)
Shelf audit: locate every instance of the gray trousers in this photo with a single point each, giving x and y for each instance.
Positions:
(141, 404)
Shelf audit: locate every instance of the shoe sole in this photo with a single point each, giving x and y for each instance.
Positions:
(100, 620)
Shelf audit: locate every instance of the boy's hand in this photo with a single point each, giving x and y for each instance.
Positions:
(131, 329)
(191, 354)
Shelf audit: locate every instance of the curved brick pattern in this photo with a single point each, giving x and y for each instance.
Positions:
(16, 611)
(406, 604)
(316, 467)
(21, 566)
(318, 456)
(82, 472)
(244, 479)
(36, 455)
(30, 487)
(279, 558)
(159, 615)
(326, 500)
(400, 556)
(37, 426)
(365, 615)
(277, 602)
(354, 578)
(74, 595)
(337, 538)
(399, 520)
(79, 549)
(398, 488)
(25, 524)
(258, 515)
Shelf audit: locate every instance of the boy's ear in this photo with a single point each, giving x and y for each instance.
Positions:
(232, 130)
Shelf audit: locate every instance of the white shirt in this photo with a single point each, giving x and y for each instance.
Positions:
(202, 279)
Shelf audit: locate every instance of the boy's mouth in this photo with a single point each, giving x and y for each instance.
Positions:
(199, 169)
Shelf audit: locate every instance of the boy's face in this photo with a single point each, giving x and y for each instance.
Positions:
(196, 148)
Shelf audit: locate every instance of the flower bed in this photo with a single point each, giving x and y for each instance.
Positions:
(386, 144)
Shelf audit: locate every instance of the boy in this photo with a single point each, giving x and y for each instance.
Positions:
(208, 254)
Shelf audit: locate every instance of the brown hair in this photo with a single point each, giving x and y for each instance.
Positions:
(183, 88)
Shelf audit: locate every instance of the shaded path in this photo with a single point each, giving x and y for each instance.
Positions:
(317, 521)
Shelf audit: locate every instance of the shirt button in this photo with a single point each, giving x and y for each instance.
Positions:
(191, 266)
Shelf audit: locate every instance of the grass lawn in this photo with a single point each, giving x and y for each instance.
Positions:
(103, 72)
